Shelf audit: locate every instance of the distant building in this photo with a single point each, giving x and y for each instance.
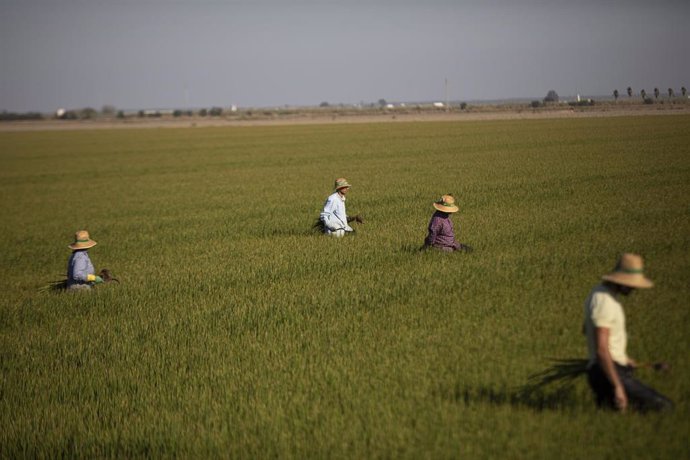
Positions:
(157, 112)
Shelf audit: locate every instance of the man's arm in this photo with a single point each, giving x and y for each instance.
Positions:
(327, 208)
(606, 363)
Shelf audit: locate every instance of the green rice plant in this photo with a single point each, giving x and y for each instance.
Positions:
(237, 331)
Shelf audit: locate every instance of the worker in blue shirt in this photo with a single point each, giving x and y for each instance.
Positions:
(80, 271)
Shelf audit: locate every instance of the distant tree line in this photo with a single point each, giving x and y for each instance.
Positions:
(109, 111)
(552, 97)
(213, 112)
(87, 113)
(179, 113)
(14, 116)
(648, 100)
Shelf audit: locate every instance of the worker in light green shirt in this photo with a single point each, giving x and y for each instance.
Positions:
(610, 370)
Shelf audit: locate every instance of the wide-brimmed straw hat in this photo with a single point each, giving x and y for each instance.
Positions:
(341, 183)
(629, 272)
(82, 241)
(446, 204)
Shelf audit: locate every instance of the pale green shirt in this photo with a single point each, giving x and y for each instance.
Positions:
(603, 310)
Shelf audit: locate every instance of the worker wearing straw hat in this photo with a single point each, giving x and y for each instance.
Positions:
(334, 217)
(610, 370)
(441, 233)
(80, 271)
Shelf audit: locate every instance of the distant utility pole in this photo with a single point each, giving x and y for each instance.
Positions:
(447, 95)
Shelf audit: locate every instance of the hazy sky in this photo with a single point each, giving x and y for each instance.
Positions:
(203, 53)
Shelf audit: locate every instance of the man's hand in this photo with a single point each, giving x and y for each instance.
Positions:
(356, 218)
(107, 276)
(661, 366)
(620, 398)
(658, 366)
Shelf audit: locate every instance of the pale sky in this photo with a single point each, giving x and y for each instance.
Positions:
(269, 53)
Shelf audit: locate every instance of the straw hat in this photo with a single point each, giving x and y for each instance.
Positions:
(82, 241)
(341, 183)
(629, 272)
(446, 204)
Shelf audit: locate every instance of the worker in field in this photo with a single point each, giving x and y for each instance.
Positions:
(441, 233)
(80, 271)
(333, 218)
(610, 370)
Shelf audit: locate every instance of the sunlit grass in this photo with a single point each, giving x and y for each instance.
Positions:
(237, 332)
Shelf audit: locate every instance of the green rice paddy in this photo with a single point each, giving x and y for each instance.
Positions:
(236, 332)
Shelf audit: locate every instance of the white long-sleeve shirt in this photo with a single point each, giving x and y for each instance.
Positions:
(333, 215)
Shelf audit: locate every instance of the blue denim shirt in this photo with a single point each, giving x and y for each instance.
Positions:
(78, 267)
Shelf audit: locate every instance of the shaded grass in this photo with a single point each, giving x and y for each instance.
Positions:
(237, 332)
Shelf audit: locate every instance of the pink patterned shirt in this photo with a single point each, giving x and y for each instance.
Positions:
(441, 234)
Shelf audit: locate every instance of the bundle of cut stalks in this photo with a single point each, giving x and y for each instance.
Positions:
(58, 285)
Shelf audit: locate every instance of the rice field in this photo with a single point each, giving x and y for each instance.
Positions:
(237, 332)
